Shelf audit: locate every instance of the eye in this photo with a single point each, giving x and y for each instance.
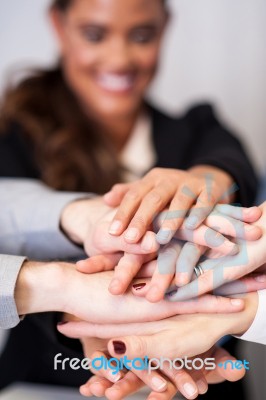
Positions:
(93, 34)
(144, 35)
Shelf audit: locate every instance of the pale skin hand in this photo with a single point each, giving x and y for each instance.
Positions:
(178, 336)
(127, 380)
(191, 194)
(130, 383)
(59, 287)
(219, 271)
(182, 258)
(176, 261)
(86, 223)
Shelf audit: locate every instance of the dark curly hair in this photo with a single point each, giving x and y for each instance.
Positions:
(71, 153)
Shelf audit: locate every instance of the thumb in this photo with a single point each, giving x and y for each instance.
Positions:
(151, 346)
(99, 263)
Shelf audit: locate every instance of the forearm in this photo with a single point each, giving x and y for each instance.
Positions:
(30, 220)
(41, 287)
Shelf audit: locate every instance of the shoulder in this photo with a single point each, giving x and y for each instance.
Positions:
(196, 113)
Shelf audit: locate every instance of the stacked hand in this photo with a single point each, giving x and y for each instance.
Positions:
(191, 226)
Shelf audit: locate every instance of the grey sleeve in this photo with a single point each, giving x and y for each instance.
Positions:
(9, 270)
(29, 220)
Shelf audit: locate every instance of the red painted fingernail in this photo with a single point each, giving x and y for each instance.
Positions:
(139, 286)
(119, 347)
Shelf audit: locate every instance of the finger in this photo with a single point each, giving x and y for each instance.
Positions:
(99, 263)
(96, 386)
(215, 275)
(229, 226)
(184, 382)
(111, 372)
(187, 260)
(174, 217)
(154, 202)
(125, 387)
(249, 215)
(137, 346)
(128, 207)
(205, 304)
(147, 269)
(164, 273)
(152, 379)
(125, 271)
(224, 368)
(76, 330)
(210, 238)
(114, 197)
(247, 284)
(108, 244)
(167, 395)
(203, 207)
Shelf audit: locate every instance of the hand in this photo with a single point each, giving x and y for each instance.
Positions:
(86, 223)
(177, 260)
(115, 384)
(45, 287)
(194, 193)
(180, 336)
(221, 270)
(101, 386)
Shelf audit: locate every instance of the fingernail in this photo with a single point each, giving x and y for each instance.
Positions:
(163, 236)
(189, 389)
(260, 278)
(202, 386)
(158, 383)
(61, 323)
(148, 242)
(119, 347)
(115, 227)
(192, 222)
(114, 377)
(236, 302)
(132, 234)
(138, 286)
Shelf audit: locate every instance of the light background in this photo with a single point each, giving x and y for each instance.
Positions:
(215, 50)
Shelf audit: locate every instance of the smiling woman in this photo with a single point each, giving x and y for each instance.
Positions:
(109, 55)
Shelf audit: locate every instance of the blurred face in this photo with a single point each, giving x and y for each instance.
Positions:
(110, 51)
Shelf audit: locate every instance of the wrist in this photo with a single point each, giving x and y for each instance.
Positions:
(40, 287)
(79, 217)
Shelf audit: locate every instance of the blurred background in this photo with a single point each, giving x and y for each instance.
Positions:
(214, 51)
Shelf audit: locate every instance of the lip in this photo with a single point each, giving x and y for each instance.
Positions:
(116, 83)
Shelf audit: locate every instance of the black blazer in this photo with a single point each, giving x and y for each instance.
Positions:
(193, 139)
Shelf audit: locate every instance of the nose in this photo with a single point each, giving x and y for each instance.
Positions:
(119, 55)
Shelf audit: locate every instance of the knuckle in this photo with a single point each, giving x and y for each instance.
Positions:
(140, 346)
(133, 195)
(139, 221)
(154, 198)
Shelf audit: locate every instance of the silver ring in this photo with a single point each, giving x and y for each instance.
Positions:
(198, 270)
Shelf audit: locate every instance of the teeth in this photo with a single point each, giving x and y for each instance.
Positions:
(117, 83)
